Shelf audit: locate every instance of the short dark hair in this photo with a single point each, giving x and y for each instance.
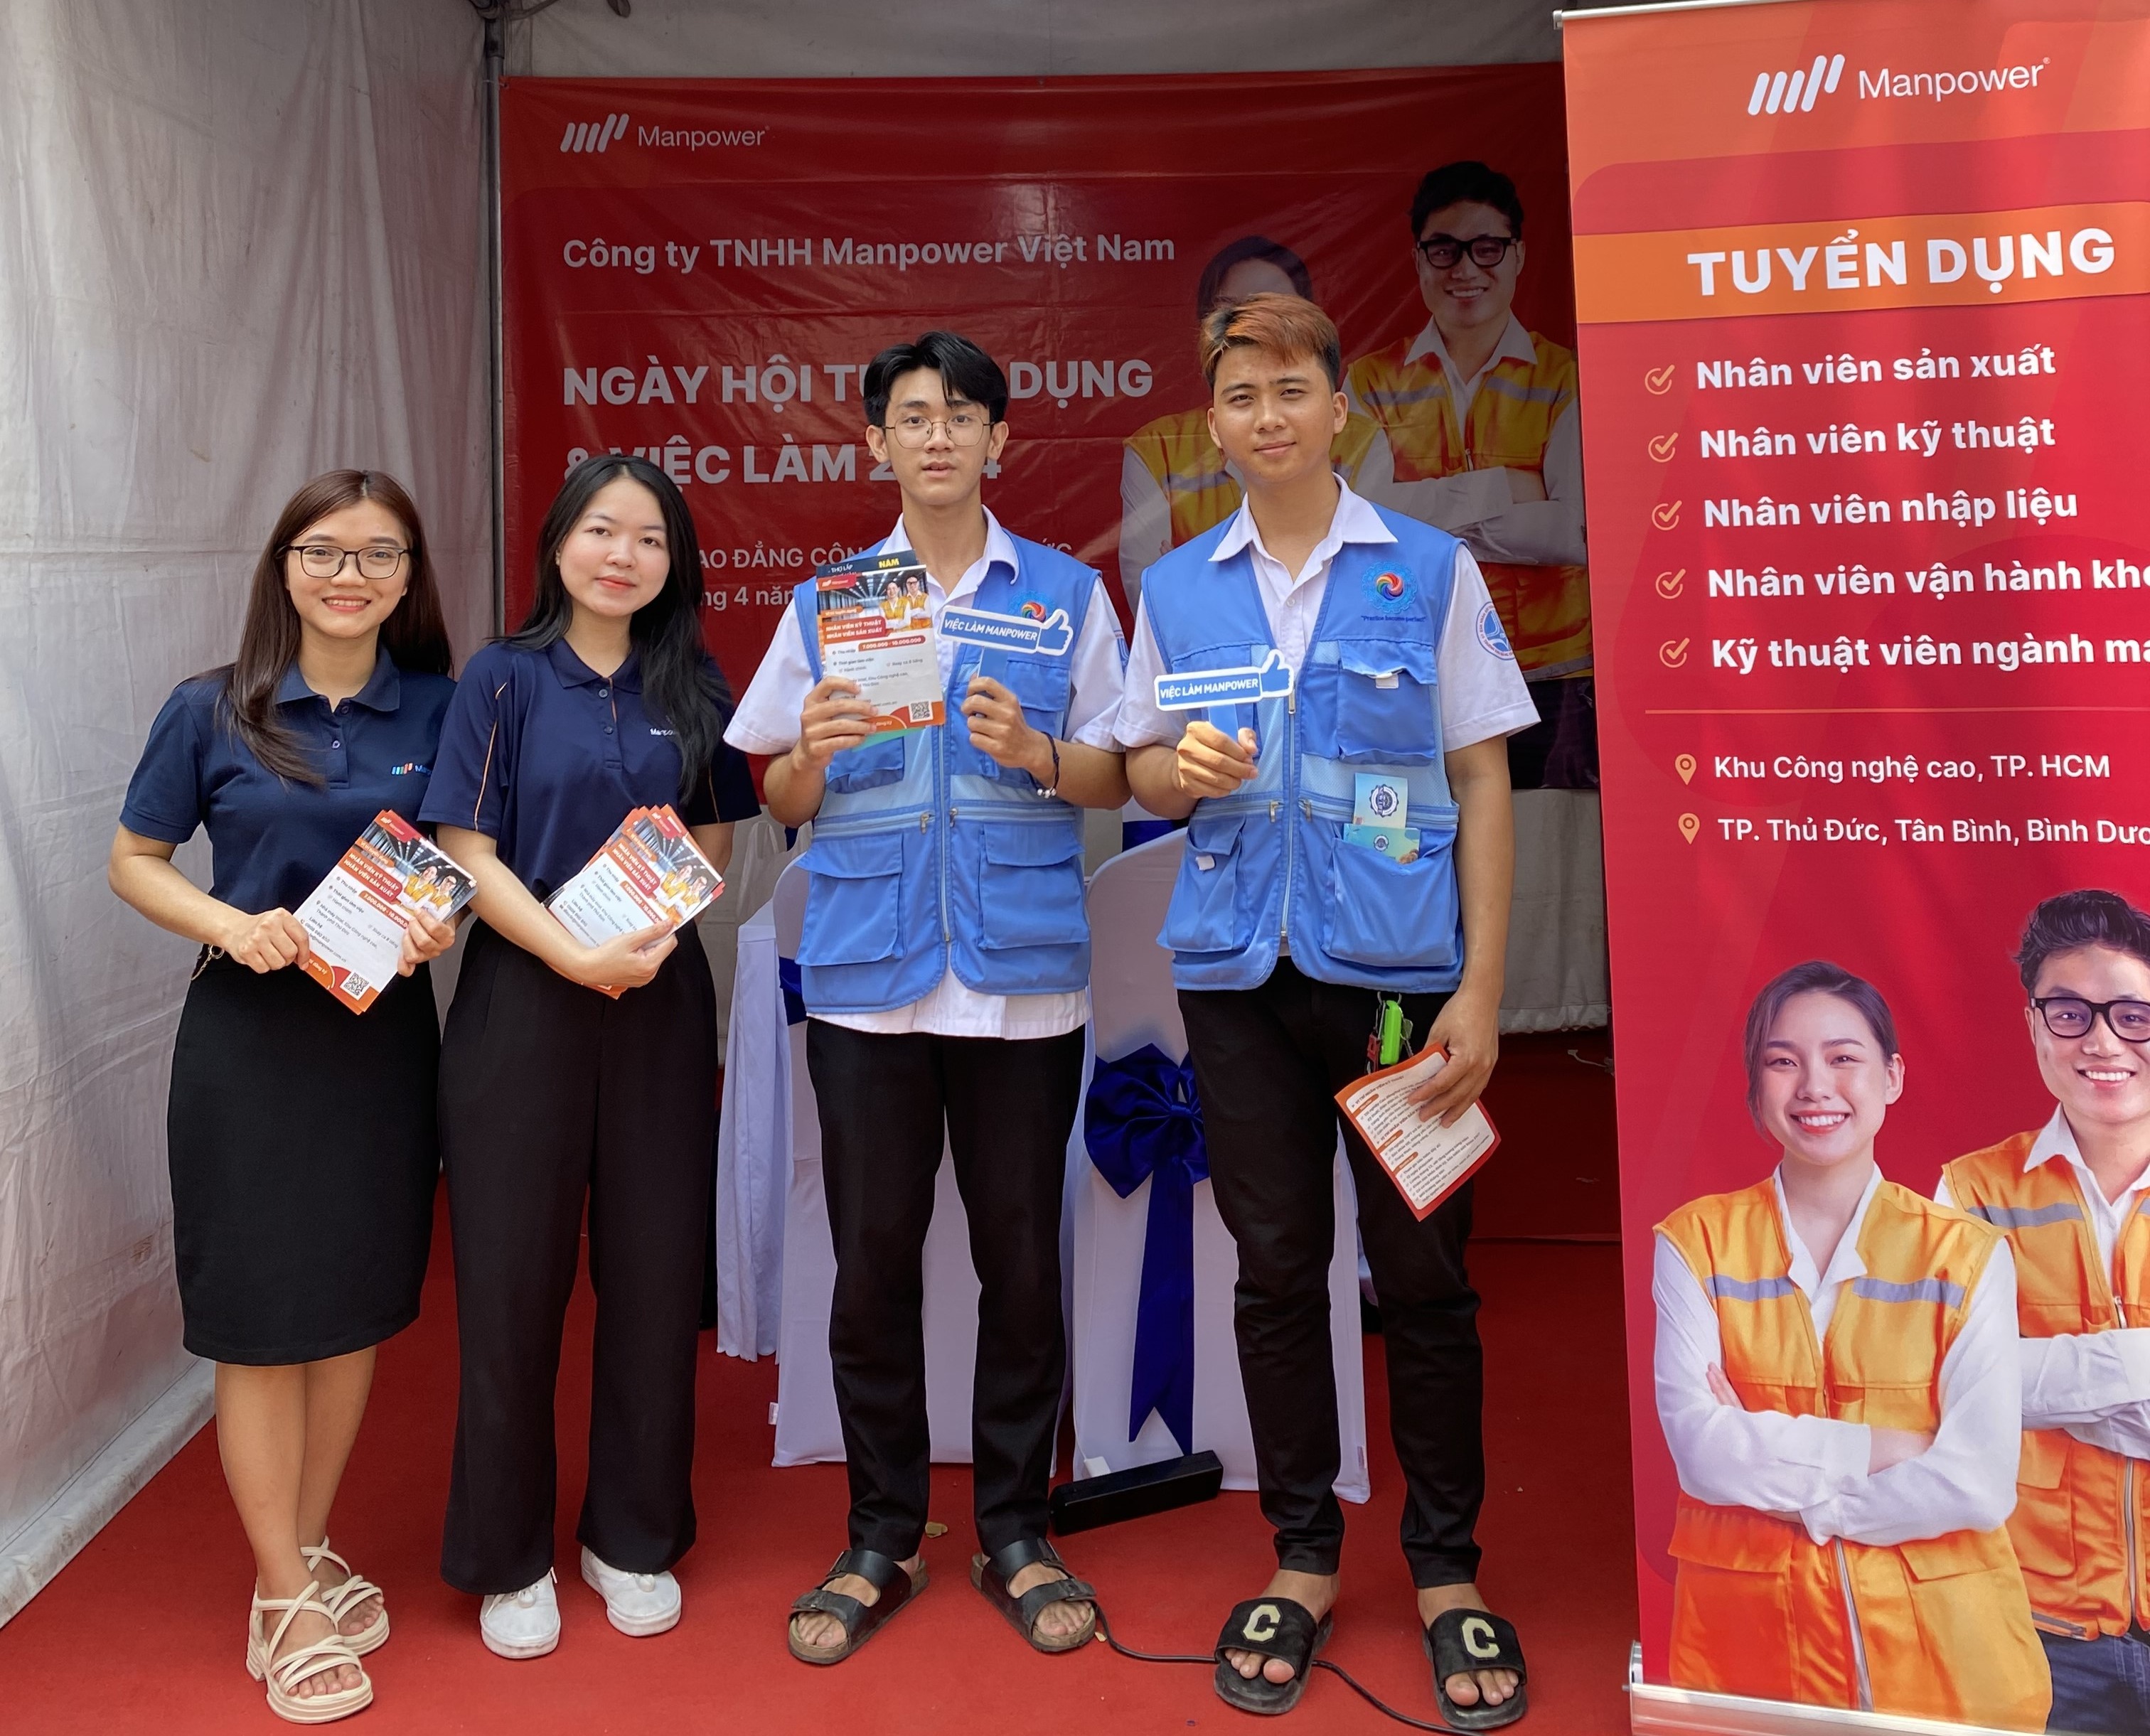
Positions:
(1250, 247)
(1816, 976)
(1455, 183)
(2087, 917)
(966, 372)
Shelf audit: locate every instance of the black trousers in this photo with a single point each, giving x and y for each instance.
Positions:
(551, 1095)
(1267, 1062)
(1008, 1108)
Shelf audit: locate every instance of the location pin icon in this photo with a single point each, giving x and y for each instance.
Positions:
(1685, 766)
(1689, 824)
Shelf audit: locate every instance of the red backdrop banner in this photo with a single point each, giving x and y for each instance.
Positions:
(698, 270)
(1861, 293)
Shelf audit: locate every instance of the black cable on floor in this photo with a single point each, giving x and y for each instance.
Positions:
(1351, 1682)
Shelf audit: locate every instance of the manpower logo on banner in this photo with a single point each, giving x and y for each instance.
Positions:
(594, 135)
(1781, 93)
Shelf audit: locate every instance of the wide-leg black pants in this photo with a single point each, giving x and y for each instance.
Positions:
(552, 1095)
(1267, 1062)
(1008, 1107)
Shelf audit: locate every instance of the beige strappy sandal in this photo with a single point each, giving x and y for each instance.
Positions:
(355, 1590)
(281, 1676)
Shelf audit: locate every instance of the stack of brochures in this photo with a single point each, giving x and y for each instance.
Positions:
(354, 919)
(648, 875)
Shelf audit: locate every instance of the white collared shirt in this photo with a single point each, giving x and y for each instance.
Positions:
(1813, 1468)
(767, 722)
(1482, 694)
(2094, 1384)
(1477, 505)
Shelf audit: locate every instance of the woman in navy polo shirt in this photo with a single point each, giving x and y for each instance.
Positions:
(551, 1092)
(302, 1146)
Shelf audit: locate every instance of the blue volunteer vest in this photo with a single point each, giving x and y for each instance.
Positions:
(1269, 864)
(928, 856)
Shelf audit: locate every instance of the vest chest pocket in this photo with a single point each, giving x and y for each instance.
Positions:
(1029, 887)
(867, 766)
(1397, 915)
(1040, 685)
(854, 905)
(1383, 705)
(1206, 913)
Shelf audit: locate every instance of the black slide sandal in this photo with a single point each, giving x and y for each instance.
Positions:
(1268, 1628)
(1462, 1642)
(861, 1621)
(991, 1574)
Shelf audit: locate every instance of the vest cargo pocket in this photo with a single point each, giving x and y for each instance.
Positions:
(1030, 886)
(1042, 690)
(1398, 916)
(1205, 914)
(854, 910)
(1387, 707)
(868, 765)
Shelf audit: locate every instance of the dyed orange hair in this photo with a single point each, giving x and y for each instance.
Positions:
(1282, 324)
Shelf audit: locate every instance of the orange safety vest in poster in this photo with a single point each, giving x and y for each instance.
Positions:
(1544, 609)
(1930, 1628)
(1187, 466)
(2079, 1511)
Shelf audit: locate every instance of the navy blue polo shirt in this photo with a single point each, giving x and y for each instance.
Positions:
(546, 757)
(273, 840)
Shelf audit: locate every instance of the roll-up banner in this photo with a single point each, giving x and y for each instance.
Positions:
(698, 271)
(1866, 347)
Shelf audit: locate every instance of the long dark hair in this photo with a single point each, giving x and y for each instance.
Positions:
(414, 635)
(680, 680)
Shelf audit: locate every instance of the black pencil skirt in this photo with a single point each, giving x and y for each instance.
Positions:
(303, 1162)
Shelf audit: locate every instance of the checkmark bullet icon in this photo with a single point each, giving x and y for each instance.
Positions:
(1661, 448)
(1672, 653)
(1666, 516)
(1669, 584)
(1659, 380)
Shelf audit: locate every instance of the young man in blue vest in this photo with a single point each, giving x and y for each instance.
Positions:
(944, 964)
(1286, 934)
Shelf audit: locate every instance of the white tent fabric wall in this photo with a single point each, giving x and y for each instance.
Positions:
(239, 244)
(1001, 39)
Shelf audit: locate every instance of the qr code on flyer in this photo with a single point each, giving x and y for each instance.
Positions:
(918, 711)
(356, 986)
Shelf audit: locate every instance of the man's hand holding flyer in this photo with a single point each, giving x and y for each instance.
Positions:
(649, 875)
(1426, 1161)
(354, 919)
(875, 628)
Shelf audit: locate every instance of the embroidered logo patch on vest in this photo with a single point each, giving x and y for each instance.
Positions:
(1389, 589)
(1032, 608)
(1490, 634)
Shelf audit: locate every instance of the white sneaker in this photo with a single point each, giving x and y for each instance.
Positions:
(521, 1624)
(640, 1604)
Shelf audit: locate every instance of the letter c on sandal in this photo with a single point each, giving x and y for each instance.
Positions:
(1478, 1639)
(1262, 1622)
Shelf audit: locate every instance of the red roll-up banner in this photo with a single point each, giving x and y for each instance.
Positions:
(1863, 305)
(700, 270)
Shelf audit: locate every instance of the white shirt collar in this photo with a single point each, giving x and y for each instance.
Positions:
(1355, 520)
(1000, 550)
(2057, 1139)
(1515, 345)
(1844, 1262)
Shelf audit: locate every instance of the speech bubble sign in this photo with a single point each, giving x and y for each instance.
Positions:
(1049, 637)
(1199, 689)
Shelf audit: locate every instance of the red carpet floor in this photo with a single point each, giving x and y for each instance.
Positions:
(144, 1631)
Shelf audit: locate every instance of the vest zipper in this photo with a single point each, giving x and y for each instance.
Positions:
(1858, 1637)
(941, 793)
(1291, 780)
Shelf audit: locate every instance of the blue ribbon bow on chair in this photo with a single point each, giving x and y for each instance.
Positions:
(787, 981)
(1144, 1119)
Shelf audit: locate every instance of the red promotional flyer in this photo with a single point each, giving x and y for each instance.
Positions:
(1862, 293)
(700, 271)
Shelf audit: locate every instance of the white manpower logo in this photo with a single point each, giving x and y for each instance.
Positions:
(1795, 92)
(595, 135)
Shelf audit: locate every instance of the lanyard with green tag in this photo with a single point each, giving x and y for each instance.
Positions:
(1389, 1040)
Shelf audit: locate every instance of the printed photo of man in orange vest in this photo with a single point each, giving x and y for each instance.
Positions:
(2071, 1197)
(1479, 435)
(1175, 483)
(1836, 1375)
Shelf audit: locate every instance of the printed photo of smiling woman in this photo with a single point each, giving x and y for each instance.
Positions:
(1836, 1377)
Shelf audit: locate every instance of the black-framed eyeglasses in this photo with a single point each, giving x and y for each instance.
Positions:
(2071, 1017)
(965, 427)
(324, 560)
(1442, 251)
